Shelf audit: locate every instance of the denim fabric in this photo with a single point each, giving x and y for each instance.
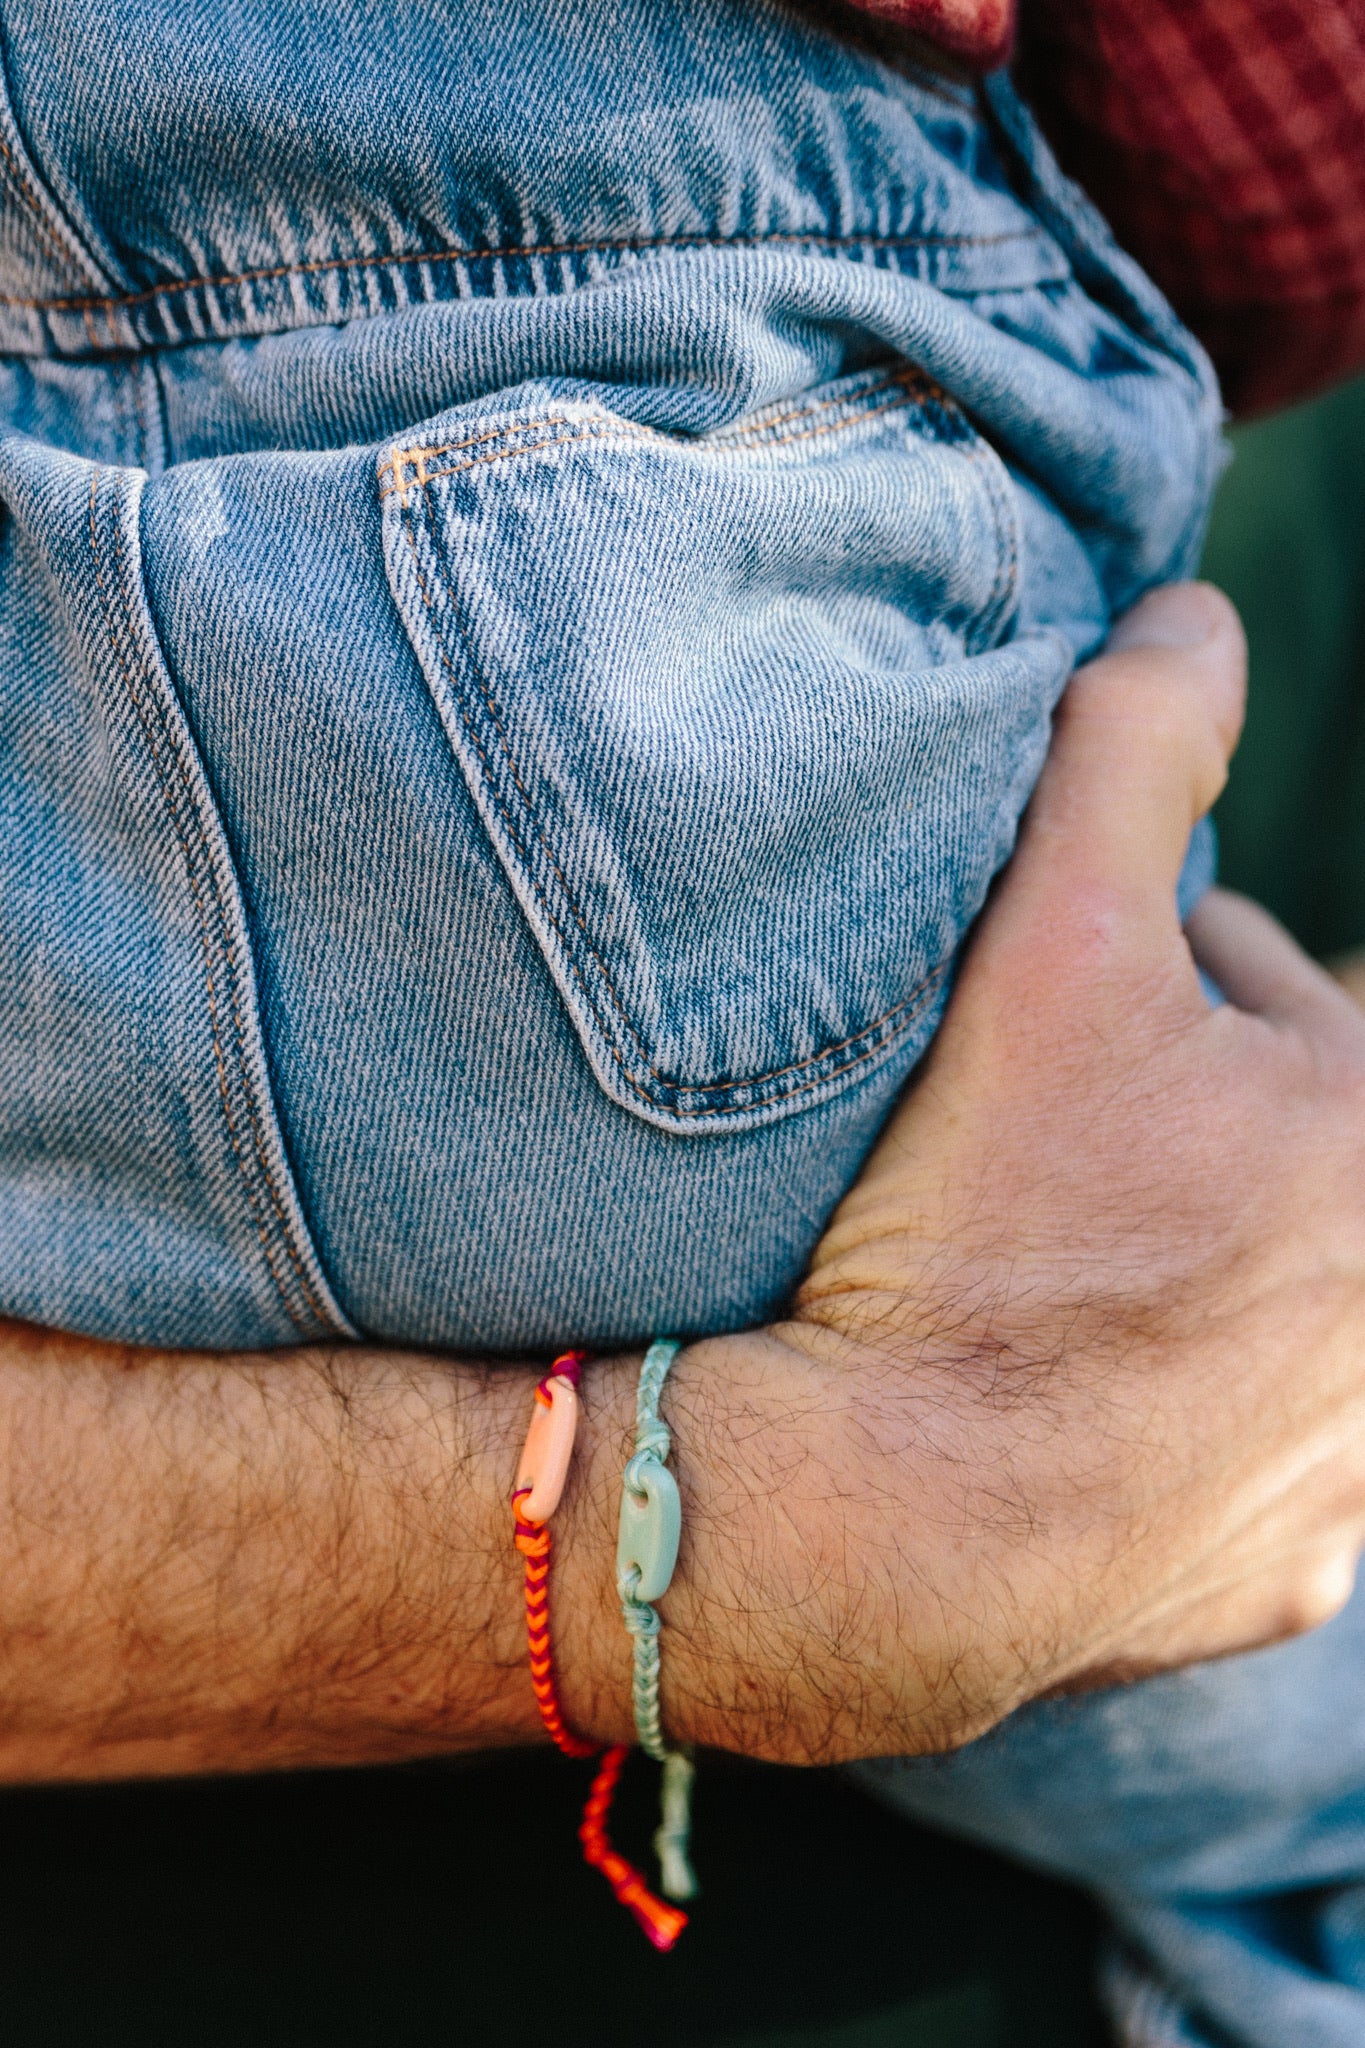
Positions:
(1219, 1813)
(541, 546)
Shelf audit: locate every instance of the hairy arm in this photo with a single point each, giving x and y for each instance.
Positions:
(215, 1562)
(219, 1562)
(235, 1562)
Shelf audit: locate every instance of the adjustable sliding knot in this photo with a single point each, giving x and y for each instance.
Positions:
(640, 1618)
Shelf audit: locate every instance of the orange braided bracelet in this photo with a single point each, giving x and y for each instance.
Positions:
(539, 1484)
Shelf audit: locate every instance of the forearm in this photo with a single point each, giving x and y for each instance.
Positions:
(218, 1563)
(224, 1563)
(238, 1562)
(1074, 1387)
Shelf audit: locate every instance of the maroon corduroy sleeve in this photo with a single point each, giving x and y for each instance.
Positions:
(1225, 141)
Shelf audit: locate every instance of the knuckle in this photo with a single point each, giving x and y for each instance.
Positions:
(1149, 690)
(1318, 1596)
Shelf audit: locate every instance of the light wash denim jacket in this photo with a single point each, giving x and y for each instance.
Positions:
(540, 545)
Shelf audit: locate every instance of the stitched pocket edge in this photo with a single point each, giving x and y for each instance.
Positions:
(426, 602)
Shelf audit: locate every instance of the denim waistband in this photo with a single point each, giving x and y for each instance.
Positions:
(319, 163)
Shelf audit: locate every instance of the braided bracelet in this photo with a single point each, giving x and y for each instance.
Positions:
(539, 1484)
(646, 1553)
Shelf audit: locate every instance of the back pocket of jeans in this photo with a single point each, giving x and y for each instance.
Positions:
(740, 712)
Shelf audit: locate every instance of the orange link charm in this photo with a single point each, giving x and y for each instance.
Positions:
(549, 1443)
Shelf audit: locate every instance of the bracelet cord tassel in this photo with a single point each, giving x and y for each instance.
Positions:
(662, 1923)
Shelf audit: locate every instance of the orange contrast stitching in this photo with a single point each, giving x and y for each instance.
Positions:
(609, 429)
(909, 376)
(421, 456)
(109, 304)
(917, 386)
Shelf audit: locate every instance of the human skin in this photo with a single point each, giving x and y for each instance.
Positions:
(1074, 1390)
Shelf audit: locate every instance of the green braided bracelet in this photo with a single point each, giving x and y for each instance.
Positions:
(646, 1552)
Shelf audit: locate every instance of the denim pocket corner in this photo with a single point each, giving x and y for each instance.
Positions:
(736, 715)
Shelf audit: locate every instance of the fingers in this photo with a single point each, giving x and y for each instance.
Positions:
(1259, 968)
(1252, 1615)
(1140, 751)
(1348, 971)
(1185, 617)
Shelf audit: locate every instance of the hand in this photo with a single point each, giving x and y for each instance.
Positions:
(1075, 1389)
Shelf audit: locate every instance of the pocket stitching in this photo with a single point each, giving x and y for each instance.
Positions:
(906, 1010)
(916, 386)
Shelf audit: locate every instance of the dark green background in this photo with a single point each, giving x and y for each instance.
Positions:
(1288, 545)
(445, 1903)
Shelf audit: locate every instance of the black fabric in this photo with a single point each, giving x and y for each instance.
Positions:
(447, 1903)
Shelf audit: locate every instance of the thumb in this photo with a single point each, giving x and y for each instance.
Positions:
(1140, 750)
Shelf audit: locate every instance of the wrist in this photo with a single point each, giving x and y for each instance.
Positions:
(823, 1606)
(776, 1557)
(720, 1401)
(826, 1607)
(755, 1650)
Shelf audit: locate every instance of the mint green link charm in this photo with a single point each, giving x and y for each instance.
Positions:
(650, 1529)
(646, 1552)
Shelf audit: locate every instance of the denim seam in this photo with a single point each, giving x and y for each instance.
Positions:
(1004, 594)
(263, 1160)
(19, 185)
(58, 234)
(321, 1319)
(905, 1011)
(910, 378)
(741, 434)
(611, 428)
(110, 303)
(154, 755)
